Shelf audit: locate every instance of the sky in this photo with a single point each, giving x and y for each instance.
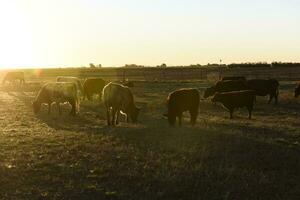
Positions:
(73, 33)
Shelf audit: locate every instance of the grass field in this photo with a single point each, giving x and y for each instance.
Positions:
(62, 157)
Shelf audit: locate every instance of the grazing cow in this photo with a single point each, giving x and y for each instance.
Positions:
(297, 90)
(236, 99)
(225, 86)
(180, 101)
(263, 87)
(59, 92)
(13, 76)
(234, 78)
(119, 99)
(72, 80)
(93, 86)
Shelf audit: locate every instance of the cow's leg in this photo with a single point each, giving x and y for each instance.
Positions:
(49, 108)
(180, 119)
(276, 97)
(118, 116)
(193, 117)
(58, 108)
(73, 110)
(250, 108)
(114, 112)
(270, 98)
(231, 113)
(108, 115)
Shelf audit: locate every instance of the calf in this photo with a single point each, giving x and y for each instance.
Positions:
(93, 86)
(264, 87)
(226, 86)
(59, 92)
(119, 99)
(72, 80)
(234, 78)
(180, 101)
(236, 99)
(297, 90)
(13, 76)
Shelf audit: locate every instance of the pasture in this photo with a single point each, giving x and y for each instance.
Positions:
(63, 157)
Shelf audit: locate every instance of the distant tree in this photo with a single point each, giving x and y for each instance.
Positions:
(133, 66)
(163, 65)
(92, 65)
(99, 65)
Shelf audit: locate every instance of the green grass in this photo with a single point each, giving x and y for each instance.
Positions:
(63, 157)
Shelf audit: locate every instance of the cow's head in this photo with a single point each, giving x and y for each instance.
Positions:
(134, 114)
(297, 91)
(209, 92)
(36, 106)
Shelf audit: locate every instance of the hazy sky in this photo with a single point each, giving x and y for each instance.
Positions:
(149, 32)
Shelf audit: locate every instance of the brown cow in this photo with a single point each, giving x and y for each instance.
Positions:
(119, 99)
(234, 78)
(263, 87)
(236, 99)
(225, 86)
(13, 76)
(297, 90)
(59, 92)
(180, 101)
(93, 86)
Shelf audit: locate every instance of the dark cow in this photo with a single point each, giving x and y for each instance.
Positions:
(264, 87)
(13, 76)
(59, 92)
(234, 78)
(93, 86)
(180, 101)
(225, 86)
(297, 90)
(118, 99)
(236, 99)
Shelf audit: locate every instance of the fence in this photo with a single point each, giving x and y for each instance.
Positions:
(168, 73)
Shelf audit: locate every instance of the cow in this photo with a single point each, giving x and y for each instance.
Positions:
(234, 78)
(225, 86)
(236, 99)
(59, 92)
(73, 80)
(13, 76)
(180, 101)
(264, 87)
(297, 90)
(118, 99)
(93, 86)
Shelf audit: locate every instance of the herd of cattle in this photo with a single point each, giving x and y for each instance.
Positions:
(231, 92)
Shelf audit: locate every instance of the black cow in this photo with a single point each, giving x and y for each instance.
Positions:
(180, 101)
(264, 87)
(93, 86)
(236, 99)
(225, 86)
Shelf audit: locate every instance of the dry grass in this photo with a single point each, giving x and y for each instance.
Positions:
(63, 157)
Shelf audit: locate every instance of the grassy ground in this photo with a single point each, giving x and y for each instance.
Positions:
(64, 157)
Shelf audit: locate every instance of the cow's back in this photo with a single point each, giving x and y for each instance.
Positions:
(231, 85)
(59, 91)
